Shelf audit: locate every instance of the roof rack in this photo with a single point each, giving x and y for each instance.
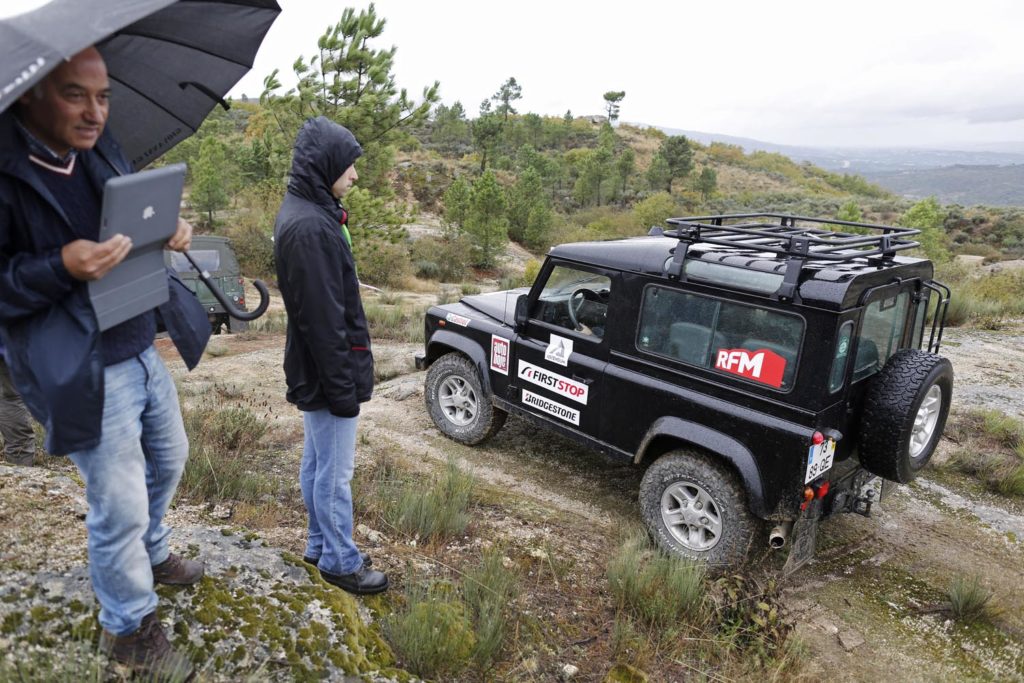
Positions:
(799, 238)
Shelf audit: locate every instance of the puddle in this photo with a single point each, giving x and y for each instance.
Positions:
(996, 518)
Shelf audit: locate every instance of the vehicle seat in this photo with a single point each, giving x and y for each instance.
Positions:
(689, 342)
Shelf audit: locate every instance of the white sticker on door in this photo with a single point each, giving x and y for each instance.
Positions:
(559, 350)
(499, 354)
(551, 408)
(577, 391)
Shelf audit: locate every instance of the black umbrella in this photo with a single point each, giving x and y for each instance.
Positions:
(170, 62)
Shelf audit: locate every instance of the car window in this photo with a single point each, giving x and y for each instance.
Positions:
(842, 354)
(207, 259)
(880, 334)
(753, 343)
(576, 300)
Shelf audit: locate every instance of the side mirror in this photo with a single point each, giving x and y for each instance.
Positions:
(522, 312)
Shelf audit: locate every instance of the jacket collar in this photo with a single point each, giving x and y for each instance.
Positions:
(14, 161)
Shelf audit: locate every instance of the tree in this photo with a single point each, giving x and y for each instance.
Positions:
(849, 211)
(538, 226)
(927, 217)
(524, 195)
(485, 222)
(611, 103)
(706, 183)
(351, 82)
(451, 129)
(509, 92)
(486, 133)
(659, 176)
(210, 177)
(624, 167)
(457, 200)
(677, 154)
(594, 168)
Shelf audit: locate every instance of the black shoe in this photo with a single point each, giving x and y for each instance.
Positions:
(366, 581)
(367, 560)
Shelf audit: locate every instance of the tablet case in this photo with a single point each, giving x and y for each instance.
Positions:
(143, 206)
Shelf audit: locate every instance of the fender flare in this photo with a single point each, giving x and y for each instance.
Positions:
(716, 443)
(443, 339)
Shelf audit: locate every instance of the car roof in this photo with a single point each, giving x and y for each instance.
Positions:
(836, 285)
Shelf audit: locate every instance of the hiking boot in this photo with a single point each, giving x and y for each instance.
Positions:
(148, 652)
(366, 581)
(367, 560)
(177, 571)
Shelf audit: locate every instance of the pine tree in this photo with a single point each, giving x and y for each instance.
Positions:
(611, 103)
(509, 92)
(485, 223)
(209, 177)
(679, 157)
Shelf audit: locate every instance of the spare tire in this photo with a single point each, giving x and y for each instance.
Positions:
(904, 414)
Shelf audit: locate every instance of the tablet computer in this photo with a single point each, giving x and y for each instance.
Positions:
(143, 206)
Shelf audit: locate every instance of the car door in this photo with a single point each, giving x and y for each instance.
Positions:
(559, 357)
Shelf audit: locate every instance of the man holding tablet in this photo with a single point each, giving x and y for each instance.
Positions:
(105, 397)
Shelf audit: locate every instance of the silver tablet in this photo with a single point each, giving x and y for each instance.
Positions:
(143, 206)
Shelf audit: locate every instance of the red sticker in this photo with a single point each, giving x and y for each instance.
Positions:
(762, 365)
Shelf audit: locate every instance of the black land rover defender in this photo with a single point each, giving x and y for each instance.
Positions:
(767, 370)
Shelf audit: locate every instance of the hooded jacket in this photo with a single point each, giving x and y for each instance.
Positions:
(47, 322)
(327, 358)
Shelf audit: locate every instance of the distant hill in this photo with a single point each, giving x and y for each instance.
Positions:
(981, 175)
(965, 185)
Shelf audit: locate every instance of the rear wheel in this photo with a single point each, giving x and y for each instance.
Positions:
(458, 403)
(695, 507)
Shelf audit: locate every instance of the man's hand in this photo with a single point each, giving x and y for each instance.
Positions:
(182, 239)
(88, 260)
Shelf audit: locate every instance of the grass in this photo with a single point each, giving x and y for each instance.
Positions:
(222, 443)
(489, 589)
(659, 590)
(395, 323)
(433, 513)
(968, 599)
(991, 449)
(983, 300)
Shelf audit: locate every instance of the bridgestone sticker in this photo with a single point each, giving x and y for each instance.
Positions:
(577, 391)
(499, 354)
(457, 319)
(763, 365)
(559, 350)
(551, 408)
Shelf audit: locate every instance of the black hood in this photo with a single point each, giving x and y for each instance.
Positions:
(323, 151)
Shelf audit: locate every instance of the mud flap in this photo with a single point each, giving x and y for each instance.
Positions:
(805, 537)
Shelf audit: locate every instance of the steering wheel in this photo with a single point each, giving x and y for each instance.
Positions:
(576, 300)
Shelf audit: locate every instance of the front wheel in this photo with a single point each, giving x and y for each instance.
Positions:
(695, 507)
(458, 403)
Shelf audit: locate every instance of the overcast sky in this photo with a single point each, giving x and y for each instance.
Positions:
(866, 73)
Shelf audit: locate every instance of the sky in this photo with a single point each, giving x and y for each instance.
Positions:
(906, 73)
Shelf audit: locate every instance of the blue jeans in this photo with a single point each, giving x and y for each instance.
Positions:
(328, 460)
(130, 478)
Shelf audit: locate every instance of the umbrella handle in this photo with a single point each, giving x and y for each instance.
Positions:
(229, 305)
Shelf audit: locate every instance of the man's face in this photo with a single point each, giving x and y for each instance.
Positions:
(70, 106)
(344, 183)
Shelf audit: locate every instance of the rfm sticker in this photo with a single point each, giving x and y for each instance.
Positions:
(499, 354)
(764, 366)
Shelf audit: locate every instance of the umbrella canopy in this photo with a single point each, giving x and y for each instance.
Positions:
(170, 62)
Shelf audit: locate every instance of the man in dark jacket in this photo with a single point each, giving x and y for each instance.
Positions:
(105, 398)
(327, 360)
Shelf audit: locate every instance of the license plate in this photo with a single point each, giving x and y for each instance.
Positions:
(819, 459)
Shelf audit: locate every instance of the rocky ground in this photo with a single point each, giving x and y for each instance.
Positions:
(864, 609)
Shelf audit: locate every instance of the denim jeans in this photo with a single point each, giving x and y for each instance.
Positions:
(130, 478)
(328, 460)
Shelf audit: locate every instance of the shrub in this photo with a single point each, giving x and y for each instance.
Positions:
(435, 512)
(968, 599)
(488, 590)
(659, 590)
(395, 322)
(382, 263)
(445, 259)
(431, 635)
(221, 445)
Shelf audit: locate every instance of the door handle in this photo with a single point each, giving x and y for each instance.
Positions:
(584, 380)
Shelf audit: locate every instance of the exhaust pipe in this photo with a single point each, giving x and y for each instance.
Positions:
(779, 535)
